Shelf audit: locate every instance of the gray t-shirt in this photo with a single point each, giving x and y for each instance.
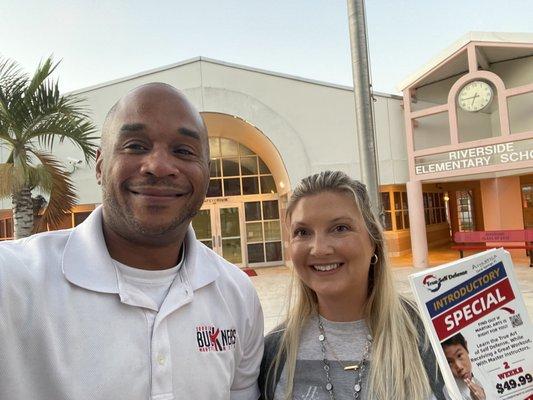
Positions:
(347, 340)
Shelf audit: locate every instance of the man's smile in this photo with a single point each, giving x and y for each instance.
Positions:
(154, 191)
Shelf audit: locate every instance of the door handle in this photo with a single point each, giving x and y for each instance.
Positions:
(219, 241)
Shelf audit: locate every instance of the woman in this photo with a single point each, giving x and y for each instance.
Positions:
(348, 333)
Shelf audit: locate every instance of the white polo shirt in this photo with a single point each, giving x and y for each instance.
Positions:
(68, 331)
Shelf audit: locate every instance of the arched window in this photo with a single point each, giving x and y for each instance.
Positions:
(237, 171)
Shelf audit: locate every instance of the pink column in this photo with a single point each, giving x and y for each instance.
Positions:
(417, 224)
(502, 203)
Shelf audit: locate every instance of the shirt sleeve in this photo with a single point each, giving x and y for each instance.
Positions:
(244, 385)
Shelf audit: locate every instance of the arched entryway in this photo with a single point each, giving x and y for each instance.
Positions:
(241, 218)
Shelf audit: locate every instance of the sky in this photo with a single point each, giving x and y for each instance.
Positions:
(98, 41)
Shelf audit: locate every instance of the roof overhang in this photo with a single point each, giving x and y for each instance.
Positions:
(493, 46)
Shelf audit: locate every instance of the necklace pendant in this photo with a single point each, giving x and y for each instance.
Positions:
(351, 368)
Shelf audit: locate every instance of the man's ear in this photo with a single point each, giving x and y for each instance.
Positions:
(99, 161)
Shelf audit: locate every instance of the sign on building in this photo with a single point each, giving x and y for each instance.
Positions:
(475, 157)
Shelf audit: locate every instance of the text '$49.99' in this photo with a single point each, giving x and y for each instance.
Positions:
(514, 383)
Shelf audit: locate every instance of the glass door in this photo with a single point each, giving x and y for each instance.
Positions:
(229, 236)
(465, 210)
(218, 226)
(527, 202)
(263, 233)
(204, 227)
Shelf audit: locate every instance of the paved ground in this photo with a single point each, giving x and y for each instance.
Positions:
(272, 283)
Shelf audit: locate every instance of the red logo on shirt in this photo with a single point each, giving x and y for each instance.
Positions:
(211, 338)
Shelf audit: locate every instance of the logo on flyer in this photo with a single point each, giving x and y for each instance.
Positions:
(211, 338)
(431, 282)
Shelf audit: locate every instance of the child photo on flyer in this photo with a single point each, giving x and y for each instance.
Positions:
(470, 384)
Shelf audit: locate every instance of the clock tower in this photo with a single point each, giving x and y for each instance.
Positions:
(469, 135)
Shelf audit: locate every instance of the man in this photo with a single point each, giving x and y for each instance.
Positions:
(129, 305)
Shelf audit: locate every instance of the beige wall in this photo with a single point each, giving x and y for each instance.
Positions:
(296, 116)
(311, 124)
(390, 133)
(520, 112)
(431, 131)
(434, 94)
(475, 126)
(516, 72)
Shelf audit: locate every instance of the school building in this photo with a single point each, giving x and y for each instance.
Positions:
(455, 152)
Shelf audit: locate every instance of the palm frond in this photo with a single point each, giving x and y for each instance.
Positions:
(78, 131)
(6, 137)
(52, 117)
(12, 86)
(6, 180)
(12, 178)
(61, 188)
(9, 70)
(43, 72)
(40, 177)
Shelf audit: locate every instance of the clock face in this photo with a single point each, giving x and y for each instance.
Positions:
(475, 96)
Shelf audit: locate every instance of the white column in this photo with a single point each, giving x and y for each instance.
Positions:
(417, 224)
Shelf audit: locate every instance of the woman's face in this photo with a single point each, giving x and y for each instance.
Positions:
(330, 246)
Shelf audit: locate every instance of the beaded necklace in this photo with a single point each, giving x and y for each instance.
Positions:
(358, 369)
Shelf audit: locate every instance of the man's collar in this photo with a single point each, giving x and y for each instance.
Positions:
(87, 263)
(199, 262)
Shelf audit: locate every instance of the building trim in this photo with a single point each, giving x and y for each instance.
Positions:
(231, 65)
(480, 39)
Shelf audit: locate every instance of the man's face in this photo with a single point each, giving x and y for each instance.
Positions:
(154, 166)
(459, 361)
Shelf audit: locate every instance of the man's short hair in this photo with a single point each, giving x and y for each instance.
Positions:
(107, 125)
(110, 116)
(458, 338)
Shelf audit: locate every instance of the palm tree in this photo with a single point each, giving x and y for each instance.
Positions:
(33, 117)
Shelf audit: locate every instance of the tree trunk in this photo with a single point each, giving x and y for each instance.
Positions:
(22, 213)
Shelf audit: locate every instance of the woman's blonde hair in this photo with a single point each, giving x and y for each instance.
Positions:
(397, 371)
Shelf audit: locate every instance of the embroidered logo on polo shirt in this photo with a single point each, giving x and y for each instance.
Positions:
(211, 338)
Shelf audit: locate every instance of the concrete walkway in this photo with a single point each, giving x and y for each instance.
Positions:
(272, 283)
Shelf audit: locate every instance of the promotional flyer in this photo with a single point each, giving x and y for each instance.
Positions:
(479, 328)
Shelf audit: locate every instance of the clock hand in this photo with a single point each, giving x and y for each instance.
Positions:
(474, 99)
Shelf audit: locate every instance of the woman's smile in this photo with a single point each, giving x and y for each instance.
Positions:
(326, 267)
